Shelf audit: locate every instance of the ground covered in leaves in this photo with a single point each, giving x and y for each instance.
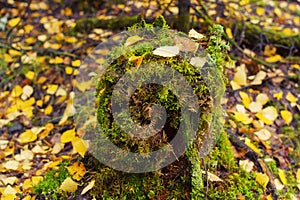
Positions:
(43, 44)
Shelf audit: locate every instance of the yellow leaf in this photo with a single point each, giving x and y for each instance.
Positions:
(16, 91)
(88, 187)
(133, 39)
(76, 63)
(278, 12)
(194, 34)
(262, 179)
(52, 89)
(70, 39)
(242, 117)
(246, 100)
(13, 22)
(80, 146)
(252, 146)
(11, 164)
(240, 77)
(278, 185)
(273, 59)
(268, 115)
(291, 98)
(28, 28)
(27, 136)
(260, 11)
(259, 77)
(7, 58)
(288, 31)
(244, 2)
(68, 136)
(13, 52)
(69, 70)
(28, 197)
(229, 32)
(27, 92)
(278, 95)
(263, 134)
(56, 46)
(48, 110)
(255, 106)
(287, 116)
(166, 51)
(29, 75)
(36, 179)
(282, 176)
(77, 170)
(42, 38)
(262, 98)
(57, 148)
(137, 60)
(269, 50)
(68, 185)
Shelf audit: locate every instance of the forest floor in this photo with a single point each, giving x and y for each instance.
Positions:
(42, 47)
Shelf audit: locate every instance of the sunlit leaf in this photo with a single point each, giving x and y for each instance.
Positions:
(79, 145)
(14, 52)
(291, 98)
(229, 32)
(51, 89)
(27, 136)
(278, 95)
(246, 100)
(282, 176)
(262, 98)
(269, 50)
(68, 136)
(68, 185)
(243, 117)
(273, 59)
(252, 146)
(132, 40)
(246, 165)
(255, 106)
(262, 179)
(11, 164)
(30, 75)
(16, 91)
(69, 70)
(194, 34)
(48, 110)
(287, 116)
(278, 184)
(166, 51)
(13, 22)
(77, 170)
(260, 11)
(76, 63)
(240, 77)
(88, 187)
(263, 134)
(268, 115)
(260, 76)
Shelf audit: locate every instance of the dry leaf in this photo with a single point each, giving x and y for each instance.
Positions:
(245, 99)
(166, 51)
(11, 164)
(68, 136)
(255, 107)
(13, 22)
(194, 34)
(268, 115)
(262, 179)
(282, 176)
(240, 77)
(27, 136)
(278, 184)
(243, 117)
(88, 187)
(213, 178)
(287, 116)
(132, 40)
(68, 185)
(273, 59)
(252, 146)
(246, 165)
(260, 76)
(291, 98)
(80, 145)
(77, 170)
(262, 98)
(263, 134)
(198, 61)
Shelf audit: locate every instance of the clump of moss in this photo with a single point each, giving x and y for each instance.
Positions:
(49, 187)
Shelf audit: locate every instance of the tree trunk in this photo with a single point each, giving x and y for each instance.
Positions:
(184, 15)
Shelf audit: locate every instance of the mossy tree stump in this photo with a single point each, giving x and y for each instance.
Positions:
(201, 68)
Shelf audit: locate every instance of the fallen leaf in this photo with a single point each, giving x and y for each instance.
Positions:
(255, 106)
(166, 51)
(194, 34)
(262, 98)
(287, 116)
(68, 136)
(198, 61)
(282, 176)
(269, 50)
(132, 40)
(260, 76)
(77, 170)
(57, 148)
(268, 115)
(273, 59)
(27, 92)
(79, 145)
(263, 134)
(11, 165)
(243, 117)
(13, 22)
(48, 110)
(240, 77)
(68, 185)
(51, 89)
(298, 178)
(278, 95)
(88, 187)
(260, 11)
(246, 100)
(278, 184)
(229, 32)
(262, 179)
(291, 98)
(76, 63)
(246, 165)
(252, 146)
(69, 70)
(27, 136)
(213, 178)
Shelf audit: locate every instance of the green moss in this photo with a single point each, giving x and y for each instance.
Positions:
(49, 187)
